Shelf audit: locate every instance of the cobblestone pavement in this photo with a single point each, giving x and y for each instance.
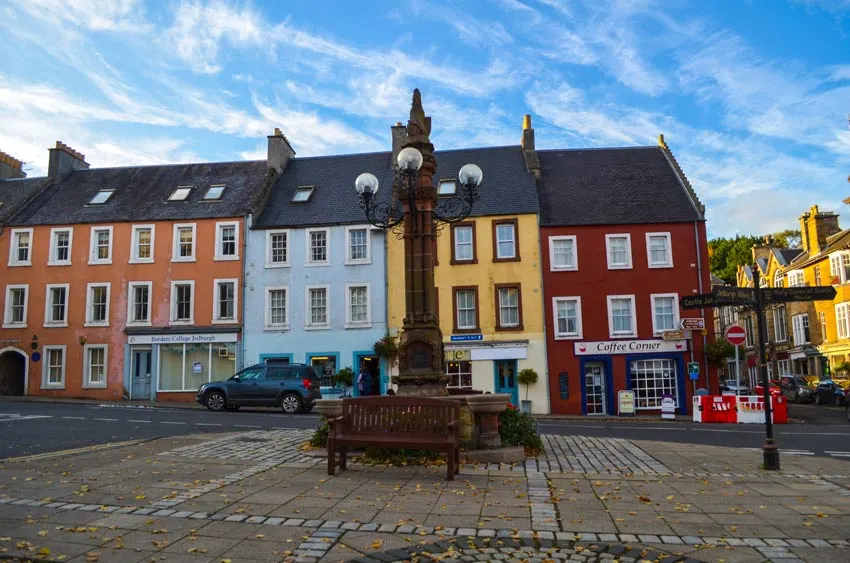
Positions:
(280, 446)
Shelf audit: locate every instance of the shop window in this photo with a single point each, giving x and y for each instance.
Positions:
(325, 367)
(185, 367)
(460, 375)
(651, 380)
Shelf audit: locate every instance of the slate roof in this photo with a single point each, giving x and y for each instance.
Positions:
(612, 186)
(717, 281)
(838, 241)
(508, 188)
(784, 256)
(141, 194)
(762, 264)
(14, 194)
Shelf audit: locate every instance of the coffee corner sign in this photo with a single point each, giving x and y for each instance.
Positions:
(609, 347)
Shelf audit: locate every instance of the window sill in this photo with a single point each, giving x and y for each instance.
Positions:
(14, 325)
(184, 259)
(182, 323)
(317, 327)
(140, 324)
(454, 262)
(568, 337)
(623, 267)
(616, 336)
(473, 330)
(100, 262)
(138, 261)
(19, 264)
(659, 266)
(56, 325)
(517, 328)
(225, 321)
(358, 325)
(358, 262)
(316, 264)
(96, 324)
(58, 263)
(563, 269)
(53, 386)
(509, 259)
(273, 265)
(275, 328)
(94, 386)
(225, 258)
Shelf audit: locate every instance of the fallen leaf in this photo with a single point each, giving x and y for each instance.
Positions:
(42, 533)
(377, 544)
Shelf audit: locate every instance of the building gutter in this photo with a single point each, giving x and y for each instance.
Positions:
(702, 311)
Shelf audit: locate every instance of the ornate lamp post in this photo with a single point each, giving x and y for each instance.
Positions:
(416, 214)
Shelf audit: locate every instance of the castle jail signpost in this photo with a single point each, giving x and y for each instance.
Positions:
(757, 297)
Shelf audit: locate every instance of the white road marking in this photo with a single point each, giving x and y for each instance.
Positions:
(736, 431)
(74, 417)
(245, 426)
(11, 417)
(841, 455)
(143, 421)
(206, 424)
(170, 422)
(107, 419)
(796, 452)
(813, 433)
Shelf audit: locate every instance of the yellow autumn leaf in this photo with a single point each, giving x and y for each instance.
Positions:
(377, 544)
(42, 533)
(671, 497)
(140, 497)
(260, 536)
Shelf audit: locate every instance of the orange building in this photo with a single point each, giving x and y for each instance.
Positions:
(124, 282)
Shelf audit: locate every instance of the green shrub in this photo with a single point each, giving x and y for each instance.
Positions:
(400, 457)
(320, 436)
(344, 377)
(518, 429)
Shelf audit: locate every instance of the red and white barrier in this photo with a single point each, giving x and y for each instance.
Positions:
(730, 409)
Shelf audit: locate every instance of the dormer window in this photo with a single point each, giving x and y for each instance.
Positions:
(302, 194)
(101, 197)
(447, 187)
(214, 192)
(180, 193)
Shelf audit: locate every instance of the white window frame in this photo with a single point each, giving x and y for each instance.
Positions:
(93, 259)
(579, 334)
(48, 304)
(513, 240)
(796, 278)
(784, 325)
(215, 318)
(175, 242)
(676, 320)
(456, 310)
(89, 303)
(267, 325)
(348, 259)
(749, 329)
(778, 279)
(134, 244)
(842, 329)
(131, 305)
(472, 243)
(553, 267)
(51, 259)
(219, 241)
(629, 262)
(308, 257)
(87, 382)
(637, 377)
(843, 261)
(45, 366)
(649, 262)
(173, 303)
(285, 264)
(611, 333)
(798, 329)
(822, 319)
(308, 312)
(349, 323)
(13, 247)
(7, 313)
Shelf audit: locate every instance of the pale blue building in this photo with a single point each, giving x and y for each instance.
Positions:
(315, 271)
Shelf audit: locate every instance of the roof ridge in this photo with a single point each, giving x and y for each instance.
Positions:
(171, 164)
(575, 149)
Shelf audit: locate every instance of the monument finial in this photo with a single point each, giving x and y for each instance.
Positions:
(419, 124)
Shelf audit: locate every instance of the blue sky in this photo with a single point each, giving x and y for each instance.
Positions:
(751, 95)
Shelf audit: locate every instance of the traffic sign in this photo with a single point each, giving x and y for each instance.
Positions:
(791, 294)
(719, 297)
(697, 301)
(693, 324)
(693, 368)
(673, 335)
(736, 335)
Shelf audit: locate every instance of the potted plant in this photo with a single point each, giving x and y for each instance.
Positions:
(527, 377)
(344, 377)
(386, 347)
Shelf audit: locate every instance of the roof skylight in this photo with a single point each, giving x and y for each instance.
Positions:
(447, 187)
(180, 193)
(101, 197)
(302, 194)
(214, 192)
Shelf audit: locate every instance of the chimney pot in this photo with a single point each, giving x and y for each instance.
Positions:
(279, 151)
(11, 167)
(526, 122)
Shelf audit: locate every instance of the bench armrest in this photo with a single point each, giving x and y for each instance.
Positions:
(455, 427)
(336, 421)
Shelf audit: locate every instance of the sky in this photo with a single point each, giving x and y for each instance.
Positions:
(752, 96)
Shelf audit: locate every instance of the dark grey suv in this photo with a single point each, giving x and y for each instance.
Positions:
(292, 387)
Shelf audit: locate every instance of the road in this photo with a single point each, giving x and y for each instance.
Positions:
(37, 427)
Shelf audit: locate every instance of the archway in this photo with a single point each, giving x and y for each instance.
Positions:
(13, 372)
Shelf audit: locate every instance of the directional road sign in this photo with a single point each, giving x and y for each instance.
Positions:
(693, 324)
(790, 294)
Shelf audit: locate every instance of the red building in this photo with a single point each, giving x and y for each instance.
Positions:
(623, 239)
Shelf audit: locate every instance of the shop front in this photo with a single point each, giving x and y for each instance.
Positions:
(171, 367)
(652, 369)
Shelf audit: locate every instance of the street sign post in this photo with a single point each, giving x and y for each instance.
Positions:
(719, 297)
(736, 335)
(697, 323)
(791, 294)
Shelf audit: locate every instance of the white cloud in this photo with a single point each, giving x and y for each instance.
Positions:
(96, 15)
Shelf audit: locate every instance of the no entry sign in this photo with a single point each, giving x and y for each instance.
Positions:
(736, 335)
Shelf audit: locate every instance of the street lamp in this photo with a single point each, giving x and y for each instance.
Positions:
(415, 213)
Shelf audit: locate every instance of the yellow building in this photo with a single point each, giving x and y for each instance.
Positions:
(487, 277)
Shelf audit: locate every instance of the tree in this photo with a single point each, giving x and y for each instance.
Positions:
(789, 238)
(725, 254)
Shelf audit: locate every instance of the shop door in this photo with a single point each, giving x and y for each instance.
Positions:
(506, 379)
(141, 388)
(594, 389)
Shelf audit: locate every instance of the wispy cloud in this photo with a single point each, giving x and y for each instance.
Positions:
(96, 15)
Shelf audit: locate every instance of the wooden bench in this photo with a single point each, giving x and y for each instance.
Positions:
(414, 423)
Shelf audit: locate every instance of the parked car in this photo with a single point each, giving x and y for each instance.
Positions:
(730, 387)
(775, 390)
(292, 387)
(797, 389)
(829, 393)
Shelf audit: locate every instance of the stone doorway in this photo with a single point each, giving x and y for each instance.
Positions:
(13, 372)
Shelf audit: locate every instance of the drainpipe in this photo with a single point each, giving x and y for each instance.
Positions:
(387, 361)
(702, 311)
(241, 362)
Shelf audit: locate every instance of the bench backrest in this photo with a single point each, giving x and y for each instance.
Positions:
(399, 415)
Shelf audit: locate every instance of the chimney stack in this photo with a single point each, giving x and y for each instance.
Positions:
(399, 137)
(280, 151)
(11, 167)
(63, 160)
(532, 160)
(815, 227)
